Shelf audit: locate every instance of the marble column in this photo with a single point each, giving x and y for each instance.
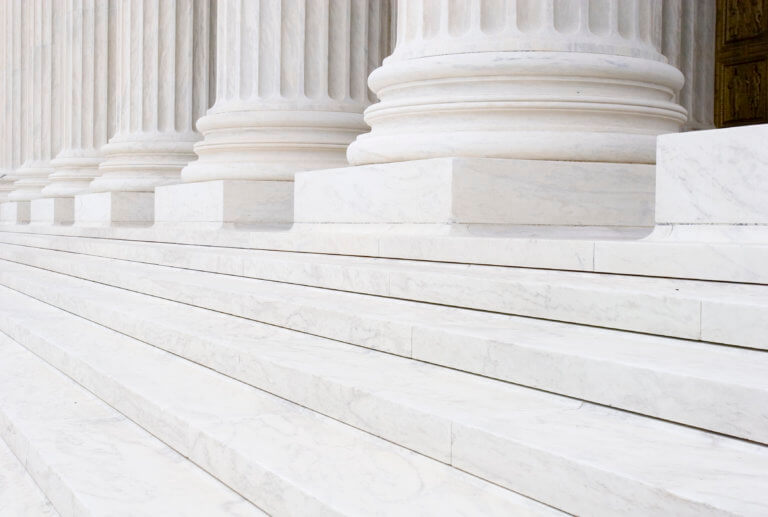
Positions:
(6, 98)
(497, 114)
(290, 93)
(40, 96)
(162, 54)
(89, 113)
(689, 44)
(578, 80)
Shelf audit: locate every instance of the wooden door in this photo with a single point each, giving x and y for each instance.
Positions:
(741, 63)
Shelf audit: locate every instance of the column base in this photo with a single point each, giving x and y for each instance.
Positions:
(225, 202)
(114, 209)
(56, 210)
(493, 193)
(14, 212)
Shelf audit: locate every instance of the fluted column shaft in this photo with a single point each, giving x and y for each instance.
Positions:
(41, 95)
(162, 81)
(579, 80)
(89, 99)
(689, 44)
(6, 97)
(291, 86)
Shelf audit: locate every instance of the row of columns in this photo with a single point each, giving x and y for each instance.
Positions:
(128, 96)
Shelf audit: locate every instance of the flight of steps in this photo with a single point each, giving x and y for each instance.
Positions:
(168, 379)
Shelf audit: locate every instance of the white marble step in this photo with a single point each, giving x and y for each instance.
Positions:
(735, 314)
(89, 459)
(19, 495)
(582, 458)
(671, 251)
(708, 386)
(284, 458)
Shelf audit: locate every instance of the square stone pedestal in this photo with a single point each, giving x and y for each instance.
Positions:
(14, 212)
(478, 191)
(713, 177)
(58, 210)
(223, 202)
(114, 208)
(712, 186)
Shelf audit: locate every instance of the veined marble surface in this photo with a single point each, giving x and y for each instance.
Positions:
(19, 495)
(652, 305)
(713, 177)
(88, 458)
(248, 439)
(497, 437)
(670, 251)
(566, 359)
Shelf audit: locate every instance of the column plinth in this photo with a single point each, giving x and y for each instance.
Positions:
(290, 93)
(545, 80)
(162, 56)
(507, 113)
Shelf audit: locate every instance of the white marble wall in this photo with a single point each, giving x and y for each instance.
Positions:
(580, 80)
(162, 57)
(88, 82)
(291, 86)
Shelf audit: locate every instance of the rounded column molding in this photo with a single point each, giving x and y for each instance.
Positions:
(162, 55)
(88, 106)
(580, 80)
(290, 86)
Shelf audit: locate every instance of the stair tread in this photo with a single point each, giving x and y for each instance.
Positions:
(61, 431)
(248, 438)
(707, 386)
(711, 311)
(585, 435)
(717, 388)
(249, 262)
(19, 495)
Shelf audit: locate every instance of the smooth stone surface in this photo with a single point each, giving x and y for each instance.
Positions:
(717, 388)
(669, 251)
(108, 208)
(56, 210)
(479, 191)
(666, 307)
(15, 212)
(713, 177)
(19, 495)
(282, 457)
(225, 202)
(558, 450)
(91, 460)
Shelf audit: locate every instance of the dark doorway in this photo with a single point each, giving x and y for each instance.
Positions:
(741, 63)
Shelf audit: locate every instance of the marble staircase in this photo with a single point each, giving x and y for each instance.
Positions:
(316, 383)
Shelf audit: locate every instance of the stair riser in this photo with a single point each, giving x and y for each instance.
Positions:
(61, 433)
(207, 440)
(720, 407)
(655, 313)
(504, 462)
(606, 252)
(206, 451)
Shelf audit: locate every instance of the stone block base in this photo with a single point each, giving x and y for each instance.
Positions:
(715, 177)
(216, 203)
(14, 212)
(114, 208)
(58, 210)
(478, 191)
